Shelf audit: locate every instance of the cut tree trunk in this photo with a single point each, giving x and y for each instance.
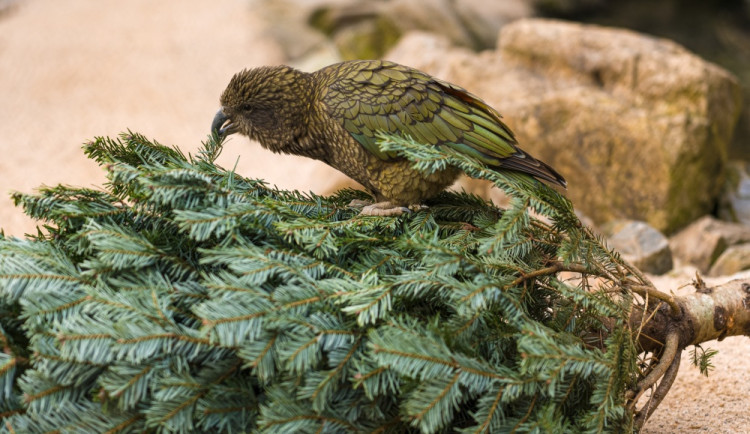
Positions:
(667, 327)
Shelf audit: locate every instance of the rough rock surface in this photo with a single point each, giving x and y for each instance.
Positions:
(735, 201)
(702, 242)
(641, 245)
(638, 125)
(364, 29)
(277, 17)
(469, 23)
(732, 260)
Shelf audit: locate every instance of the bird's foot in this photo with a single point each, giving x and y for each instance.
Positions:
(381, 209)
(384, 209)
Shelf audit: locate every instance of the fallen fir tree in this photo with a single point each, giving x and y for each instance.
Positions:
(184, 297)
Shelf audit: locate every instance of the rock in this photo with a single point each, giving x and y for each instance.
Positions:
(638, 125)
(321, 56)
(468, 23)
(733, 260)
(436, 55)
(366, 29)
(358, 29)
(703, 241)
(642, 246)
(568, 8)
(366, 39)
(436, 16)
(735, 202)
(287, 24)
(484, 19)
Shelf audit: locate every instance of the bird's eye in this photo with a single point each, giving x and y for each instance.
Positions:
(246, 108)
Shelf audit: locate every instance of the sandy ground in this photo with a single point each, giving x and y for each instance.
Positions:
(72, 70)
(76, 69)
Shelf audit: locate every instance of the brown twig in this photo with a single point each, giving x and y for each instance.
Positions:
(555, 268)
(650, 291)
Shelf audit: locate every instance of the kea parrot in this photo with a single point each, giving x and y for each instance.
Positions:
(335, 114)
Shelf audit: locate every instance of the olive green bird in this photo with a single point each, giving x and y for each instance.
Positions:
(334, 115)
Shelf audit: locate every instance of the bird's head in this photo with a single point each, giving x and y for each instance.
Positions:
(267, 104)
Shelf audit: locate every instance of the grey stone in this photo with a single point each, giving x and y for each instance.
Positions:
(429, 15)
(468, 23)
(365, 29)
(735, 203)
(483, 19)
(287, 24)
(641, 245)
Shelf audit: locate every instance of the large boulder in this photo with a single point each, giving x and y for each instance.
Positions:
(702, 242)
(638, 125)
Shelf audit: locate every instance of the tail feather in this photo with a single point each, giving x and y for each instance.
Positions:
(525, 163)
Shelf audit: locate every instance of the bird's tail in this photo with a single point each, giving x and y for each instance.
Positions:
(525, 163)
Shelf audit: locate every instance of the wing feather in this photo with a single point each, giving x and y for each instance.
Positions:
(368, 97)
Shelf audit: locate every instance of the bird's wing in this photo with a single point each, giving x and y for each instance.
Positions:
(379, 96)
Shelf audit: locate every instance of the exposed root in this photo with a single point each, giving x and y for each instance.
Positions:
(660, 393)
(664, 361)
(707, 314)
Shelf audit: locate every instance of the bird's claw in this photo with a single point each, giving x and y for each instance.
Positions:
(383, 209)
(376, 210)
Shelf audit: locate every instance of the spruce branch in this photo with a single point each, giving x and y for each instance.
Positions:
(185, 297)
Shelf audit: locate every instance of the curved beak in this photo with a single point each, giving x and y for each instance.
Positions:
(222, 125)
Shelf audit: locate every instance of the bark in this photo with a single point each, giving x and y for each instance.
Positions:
(707, 314)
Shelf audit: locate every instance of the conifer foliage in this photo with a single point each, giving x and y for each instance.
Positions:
(184, 297)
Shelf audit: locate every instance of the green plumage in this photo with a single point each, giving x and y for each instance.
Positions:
(335, 115)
